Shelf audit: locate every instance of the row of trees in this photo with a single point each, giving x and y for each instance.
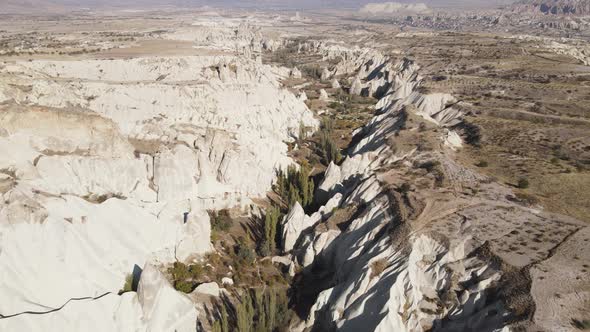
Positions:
(329, 150)
(258, 310)
(295, 185)
(271, 222)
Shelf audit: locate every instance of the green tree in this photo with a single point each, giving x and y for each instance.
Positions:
(270, 228)
(261, 321)
(245, 313)
(223, 319)
(270, 307)
(294, 195)
(329, 149)
(216, 327)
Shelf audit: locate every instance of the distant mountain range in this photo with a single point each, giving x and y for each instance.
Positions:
(553, 7)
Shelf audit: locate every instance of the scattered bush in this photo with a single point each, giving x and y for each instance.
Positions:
(220, 220)
(438, 78)
(405, 188)
(429, 165)
(128, 286)
(244, 255)
(523, 183)
(482, 163)
(185, 277)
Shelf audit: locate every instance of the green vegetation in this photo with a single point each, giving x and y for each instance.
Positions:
(221, 324)
(295, 185)
(271, 220)
(523, 183)
(185, 277)
(244, 255)
(329, 151)
(128, 286)
(257, 310)
(220, 220)
(314, 71)
(482, 163)
(581, 324)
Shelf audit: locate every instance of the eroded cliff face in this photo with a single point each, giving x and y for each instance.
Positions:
(411, 240)
(109, 166)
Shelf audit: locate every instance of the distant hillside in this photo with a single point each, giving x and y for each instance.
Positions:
(28, 6)
(394, 8)
(553, 7)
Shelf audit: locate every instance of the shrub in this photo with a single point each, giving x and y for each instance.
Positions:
(482, 163)
(429, 165)
(523, 183)
(404, 188)
(179, 271)
(184, 276)
(244, 255)
(220, 220)
(128, 286)
(196, 271)
(184, 286)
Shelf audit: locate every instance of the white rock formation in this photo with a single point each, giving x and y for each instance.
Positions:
(164, 309)
(356, 87)
(295, 73)
(120, 174)
(324, 95)
(303, 96)
(208, 288)
(156, 306)
(335, 84)
(227, 281)
(326, 74)
(293, 224)
(210, 104)
(390, 8)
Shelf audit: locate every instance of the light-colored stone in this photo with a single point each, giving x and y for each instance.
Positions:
(227, 281)
(324, 95)
(208, 288)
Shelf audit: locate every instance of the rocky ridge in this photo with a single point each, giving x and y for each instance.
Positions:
(553, 7)
(410, 240)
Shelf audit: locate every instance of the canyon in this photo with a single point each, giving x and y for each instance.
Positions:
(203, 170)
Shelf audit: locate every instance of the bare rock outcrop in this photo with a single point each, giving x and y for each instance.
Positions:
(98, 182)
